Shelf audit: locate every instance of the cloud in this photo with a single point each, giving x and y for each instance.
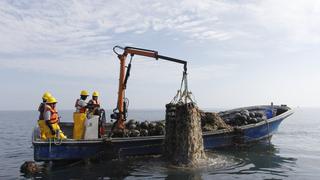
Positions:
(295, 21)
(75, 35)
(227, 43)
(88, 27)
(142, 72)
(213, 71)
(92, 68)
(33, 34)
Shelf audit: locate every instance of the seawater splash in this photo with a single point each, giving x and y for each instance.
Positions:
(183, 144)
(223, 162)
(214, 161)
(214, 164)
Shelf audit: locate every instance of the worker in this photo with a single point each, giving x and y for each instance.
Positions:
(52, 119)
(94, 108)
(79, 117)
(41, 121)
(94, 104)
(81, 105)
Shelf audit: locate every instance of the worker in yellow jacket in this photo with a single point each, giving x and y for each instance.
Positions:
(79, 117)
(41, 122)
(51, 117)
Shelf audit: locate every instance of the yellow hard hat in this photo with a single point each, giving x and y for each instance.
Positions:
(95, 93)
(46, 95)
(84, 93)
(51, 100)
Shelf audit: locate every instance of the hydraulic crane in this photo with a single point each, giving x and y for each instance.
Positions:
(120, 112)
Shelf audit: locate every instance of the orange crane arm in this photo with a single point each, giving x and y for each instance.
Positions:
(120, 112)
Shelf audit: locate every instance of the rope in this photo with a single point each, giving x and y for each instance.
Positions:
(57, 141)
(175, 98)
(183, 94)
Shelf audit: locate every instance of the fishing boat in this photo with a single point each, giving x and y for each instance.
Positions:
(108, 147)
(114, 147)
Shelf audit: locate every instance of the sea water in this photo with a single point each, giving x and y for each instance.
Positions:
(294, 153)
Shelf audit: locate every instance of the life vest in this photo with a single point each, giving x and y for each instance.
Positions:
(54, 118)
(79, 108)
(95, 102)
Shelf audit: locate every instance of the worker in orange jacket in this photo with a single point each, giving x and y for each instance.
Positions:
(51, 117)
(94, 103)
(41, 122)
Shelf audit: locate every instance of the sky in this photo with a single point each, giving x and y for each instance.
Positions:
(239, 53)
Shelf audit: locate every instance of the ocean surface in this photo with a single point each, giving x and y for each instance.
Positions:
(294, 153)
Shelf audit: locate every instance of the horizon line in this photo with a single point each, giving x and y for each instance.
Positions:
(151, 109)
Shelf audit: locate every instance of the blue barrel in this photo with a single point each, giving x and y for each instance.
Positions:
(269, 113)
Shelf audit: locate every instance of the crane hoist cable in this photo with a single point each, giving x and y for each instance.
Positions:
(120, 112)
(183, 94)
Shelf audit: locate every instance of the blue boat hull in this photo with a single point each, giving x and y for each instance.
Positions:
(66, 151)
(133, 146)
